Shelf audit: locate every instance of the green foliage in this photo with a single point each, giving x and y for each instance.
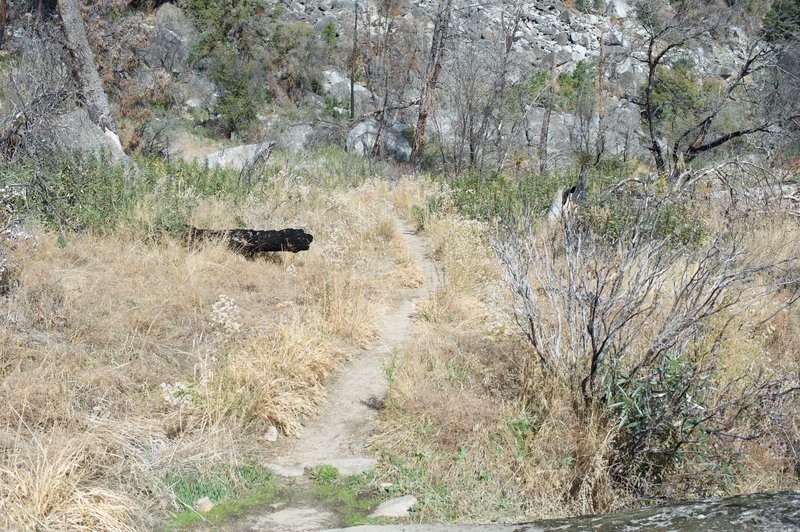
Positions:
(218, 483)
(782, 22)
(238, 103)
(231, 490)
(502, 197)
(324, 474)
(75, 193)
(675, 221)
(571, 87)
(81, 193)
(662, 418)
(335, 107)
(253, 55)
(676, 91)
(329, 35)
(353, 497)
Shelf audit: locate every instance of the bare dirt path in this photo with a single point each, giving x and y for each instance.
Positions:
(340, 433)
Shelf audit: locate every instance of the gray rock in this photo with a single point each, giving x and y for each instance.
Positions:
(236, 158)
(298, 519)
(397, 507)
(351, 466)
(614, 38)
(618, 8)
(562, 39)
(203, 505)
(170, 41)
(271, 434)
(726, 71)
(336, 85)
(297, 138)
(394, 143)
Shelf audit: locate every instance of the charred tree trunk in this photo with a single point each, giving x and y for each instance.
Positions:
(94, 96)
(251, 242)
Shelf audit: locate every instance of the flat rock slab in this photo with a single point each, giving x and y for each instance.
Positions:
(397, 507)
(345, 466)
(293, 520)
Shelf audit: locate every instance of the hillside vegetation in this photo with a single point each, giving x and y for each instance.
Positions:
(612, 208)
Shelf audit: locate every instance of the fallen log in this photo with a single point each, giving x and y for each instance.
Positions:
(250, 242)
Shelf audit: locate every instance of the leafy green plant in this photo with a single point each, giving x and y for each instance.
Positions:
(329, 35)
(324, 474)
(218, 483)
(661, 416)
(782, 22)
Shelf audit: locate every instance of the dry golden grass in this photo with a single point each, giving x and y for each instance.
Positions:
(123, 360)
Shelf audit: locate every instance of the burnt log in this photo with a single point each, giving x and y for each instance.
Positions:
(251, 242)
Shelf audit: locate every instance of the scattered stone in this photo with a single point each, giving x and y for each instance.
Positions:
(203, 505)
(397, 507)
(271, 434)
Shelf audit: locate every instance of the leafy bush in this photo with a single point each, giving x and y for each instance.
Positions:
(238, 103)
(782, 22)
(84, 193)
(504, 198)
(255, 55)
(324, 474)
(218, 483)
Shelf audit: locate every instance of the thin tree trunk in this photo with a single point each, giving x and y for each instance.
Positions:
(600, 141)
(353, 63)
(94, 96)
(432, 71)
(2, 22)
(548, 110)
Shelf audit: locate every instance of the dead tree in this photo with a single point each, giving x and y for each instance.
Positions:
(671, 27)
(548, 111)
(433, 69)
(94, 97)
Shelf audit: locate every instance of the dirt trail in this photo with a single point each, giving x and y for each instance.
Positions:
(339, 435)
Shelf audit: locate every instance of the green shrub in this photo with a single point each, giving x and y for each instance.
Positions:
(661, 415)
(76, 192)
(218, 483)
(782, 22)
(324, 474)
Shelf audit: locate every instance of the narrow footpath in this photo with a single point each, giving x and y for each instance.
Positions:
(340, 433)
